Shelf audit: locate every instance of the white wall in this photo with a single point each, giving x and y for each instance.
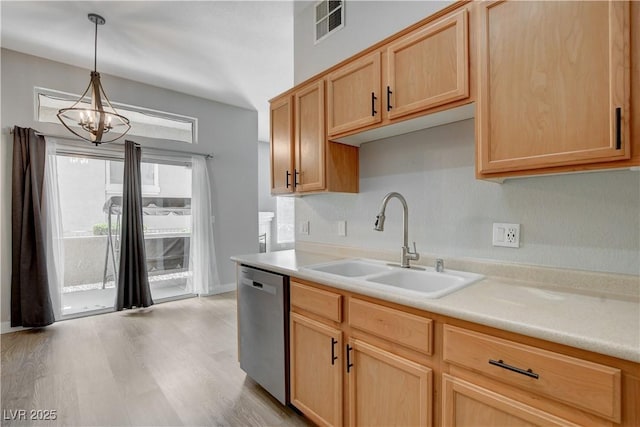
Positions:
(583, 221)
(366, 23)
(228, 132)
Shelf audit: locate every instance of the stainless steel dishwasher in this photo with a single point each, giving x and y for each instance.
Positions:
(263, 329)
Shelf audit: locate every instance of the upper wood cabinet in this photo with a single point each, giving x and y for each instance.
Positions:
(302, 159)
(310, 138)
(282, 146)
(353, 95)
(554, 84)
(428, 67)
(416, 72)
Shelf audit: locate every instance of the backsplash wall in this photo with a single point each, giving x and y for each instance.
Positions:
(587, 221)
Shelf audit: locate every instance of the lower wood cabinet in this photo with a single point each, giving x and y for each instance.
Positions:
(386, 389)
(467, 404)
(316, 370)
(363, 362)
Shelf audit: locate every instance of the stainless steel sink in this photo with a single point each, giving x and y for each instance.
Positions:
(417, 281)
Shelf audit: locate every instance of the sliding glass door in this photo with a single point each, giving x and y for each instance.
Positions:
(90, 201)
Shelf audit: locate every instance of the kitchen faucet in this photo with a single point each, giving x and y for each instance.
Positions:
(407, 255)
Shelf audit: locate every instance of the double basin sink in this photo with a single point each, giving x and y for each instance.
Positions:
(417, 281)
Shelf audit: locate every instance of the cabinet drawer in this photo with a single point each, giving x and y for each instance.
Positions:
(317, 301)
(406, 329)
(589, 386)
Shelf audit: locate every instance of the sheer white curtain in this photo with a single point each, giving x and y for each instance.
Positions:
(202, 253)
(53, 229)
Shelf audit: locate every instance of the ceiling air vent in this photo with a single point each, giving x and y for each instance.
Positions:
(329, 17)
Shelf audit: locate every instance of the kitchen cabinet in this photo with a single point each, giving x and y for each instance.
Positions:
(426, 68)
(402, 366)
(317, 363)
(467, 404)
(384, 386)
(316, 370)
(592, 387)
(302, 159)
(386, 389)
(309, 138)
(353, 95)
(282, 146)
(551, 93)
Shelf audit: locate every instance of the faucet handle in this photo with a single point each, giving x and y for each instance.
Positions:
(439, 265)
(414, 255)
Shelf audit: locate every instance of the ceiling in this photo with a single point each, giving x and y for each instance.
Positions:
(236, 52)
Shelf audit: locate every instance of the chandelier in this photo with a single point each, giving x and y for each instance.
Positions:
(97, 121)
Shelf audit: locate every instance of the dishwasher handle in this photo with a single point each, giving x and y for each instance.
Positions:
(259, 286)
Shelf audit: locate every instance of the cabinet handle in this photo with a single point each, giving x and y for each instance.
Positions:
(295, 178)
(373, 104)
(349, 364)
(618, 128)
(288, 175)
(333, 350)
(501, 364)
(389, 106)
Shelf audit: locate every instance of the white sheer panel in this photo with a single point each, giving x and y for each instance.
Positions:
(53, 232)
(202, 254)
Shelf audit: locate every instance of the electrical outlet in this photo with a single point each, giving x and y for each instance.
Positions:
(304, 227)
(506, 235)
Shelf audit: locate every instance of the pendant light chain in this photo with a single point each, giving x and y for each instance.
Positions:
(95, 49)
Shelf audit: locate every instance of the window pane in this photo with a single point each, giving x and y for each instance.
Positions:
(151, 124)
(116, 171)
(335, 19)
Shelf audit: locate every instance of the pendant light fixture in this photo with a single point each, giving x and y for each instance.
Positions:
(96, 120)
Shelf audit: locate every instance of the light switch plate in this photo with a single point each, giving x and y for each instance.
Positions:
(304, 227)
(506, 235)
(342, 228)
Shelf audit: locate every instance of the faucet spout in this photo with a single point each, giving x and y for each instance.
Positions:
(407, 255)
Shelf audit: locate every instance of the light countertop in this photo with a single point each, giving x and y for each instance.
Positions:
(600, 322)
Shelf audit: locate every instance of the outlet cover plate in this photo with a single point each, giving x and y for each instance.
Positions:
(506, 235)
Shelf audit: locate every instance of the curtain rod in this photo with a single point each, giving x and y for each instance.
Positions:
(70, 138)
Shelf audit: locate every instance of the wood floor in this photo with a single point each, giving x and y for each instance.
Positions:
(174, 364)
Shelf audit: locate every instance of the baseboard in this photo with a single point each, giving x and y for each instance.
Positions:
(6, 328)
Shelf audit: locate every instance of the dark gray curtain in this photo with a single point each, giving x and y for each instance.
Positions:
(133, 283)
(30, 299)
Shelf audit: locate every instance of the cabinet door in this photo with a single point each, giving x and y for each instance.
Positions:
(353, 95)
(316, 370)
(467, 404)
(282, 146)
(310, 138)
(429, 67)
(553, 84)
(386, 389)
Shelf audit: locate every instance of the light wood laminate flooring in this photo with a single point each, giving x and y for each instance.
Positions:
(172, 364)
